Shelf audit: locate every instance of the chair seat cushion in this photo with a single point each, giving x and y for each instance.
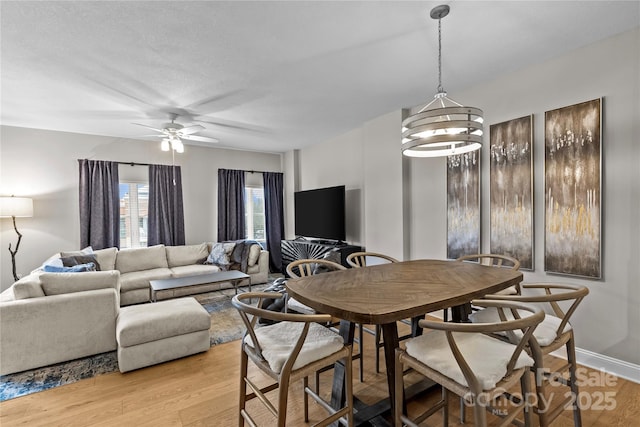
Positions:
(545, 332)
(299, 307)
(488, 357)
(278, 340)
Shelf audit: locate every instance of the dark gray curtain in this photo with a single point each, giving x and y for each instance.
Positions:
(166, 214)
(231, 221)
(99, 204)
(274, 217)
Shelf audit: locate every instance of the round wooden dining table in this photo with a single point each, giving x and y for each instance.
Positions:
(384, 294)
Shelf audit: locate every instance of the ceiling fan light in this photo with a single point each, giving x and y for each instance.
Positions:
(178, 146)
(164, 145)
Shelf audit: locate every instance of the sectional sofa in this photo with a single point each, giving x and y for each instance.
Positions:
(48, 318)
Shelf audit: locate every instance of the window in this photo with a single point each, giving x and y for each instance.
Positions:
(134, 208)
(254, 213)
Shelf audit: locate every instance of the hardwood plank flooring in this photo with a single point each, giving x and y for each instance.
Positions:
(202, 390)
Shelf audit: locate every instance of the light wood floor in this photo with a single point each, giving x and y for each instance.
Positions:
(202, 390)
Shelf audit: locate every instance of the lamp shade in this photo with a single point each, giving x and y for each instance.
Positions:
(16, 206)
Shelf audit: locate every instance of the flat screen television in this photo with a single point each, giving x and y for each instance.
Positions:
(320, 213)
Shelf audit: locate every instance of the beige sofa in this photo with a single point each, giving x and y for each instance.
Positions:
(49, 318)
(138, 266)
(58, 317)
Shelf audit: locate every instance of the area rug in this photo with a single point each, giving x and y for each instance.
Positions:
(226, 326)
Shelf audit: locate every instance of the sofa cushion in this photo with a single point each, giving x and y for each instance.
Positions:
(64, 283)
(137, 259)
(186, 255)
(254, 254)
(140, 279)
(106, 258)
(28, 287)
(253, 269)
(193, 270)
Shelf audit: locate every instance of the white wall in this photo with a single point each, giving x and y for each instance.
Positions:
(607, 322)
(43, 165)
(337, 162)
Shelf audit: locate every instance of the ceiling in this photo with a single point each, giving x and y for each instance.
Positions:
(265, 75)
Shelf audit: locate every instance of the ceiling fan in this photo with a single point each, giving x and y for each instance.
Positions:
(173, 133)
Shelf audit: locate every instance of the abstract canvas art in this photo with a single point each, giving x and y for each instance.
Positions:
(573, 190)
(463, 204)
(511, 189)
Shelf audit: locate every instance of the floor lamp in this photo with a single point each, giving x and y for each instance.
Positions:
(12, 207)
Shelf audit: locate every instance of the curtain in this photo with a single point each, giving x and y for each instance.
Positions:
(166, 213)
(99, 204)
(231, 221)
(274, 217)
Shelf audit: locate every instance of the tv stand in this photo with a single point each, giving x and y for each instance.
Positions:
(314, 249)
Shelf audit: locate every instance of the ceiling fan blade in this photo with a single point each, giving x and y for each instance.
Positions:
(192, 129)
(199, 138)
(149, 127)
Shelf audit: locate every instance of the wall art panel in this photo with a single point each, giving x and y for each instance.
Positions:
(463, 204)
(573, 190)
(511, 190)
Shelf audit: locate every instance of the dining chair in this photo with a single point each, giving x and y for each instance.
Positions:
(362, 259)
(490, 260)
(495, 260)
(308, 267)
(290, 349)
(553, 333)
(359, 260)
(464, 360)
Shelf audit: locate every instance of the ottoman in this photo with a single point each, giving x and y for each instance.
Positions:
(153, 333)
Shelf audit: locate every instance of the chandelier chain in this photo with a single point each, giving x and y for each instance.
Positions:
(440, 89)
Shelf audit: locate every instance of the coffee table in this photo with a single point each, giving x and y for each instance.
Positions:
(233, 276)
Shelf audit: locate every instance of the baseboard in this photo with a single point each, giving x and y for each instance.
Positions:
(620, 368)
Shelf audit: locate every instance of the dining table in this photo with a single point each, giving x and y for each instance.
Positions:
(387, 293)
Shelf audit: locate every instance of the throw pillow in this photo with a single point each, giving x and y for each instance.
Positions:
(71, 261)
(332, 255)
(74, 269)
(86, 251)
(218, 256)
(272, 304)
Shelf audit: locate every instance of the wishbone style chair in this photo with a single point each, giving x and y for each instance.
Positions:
(308, 267)
(490, 260)
(363, 259)
(495, 260)
(463, 359)
(291, 349)
(553, 333)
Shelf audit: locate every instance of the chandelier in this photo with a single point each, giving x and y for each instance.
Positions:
(443, 127)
